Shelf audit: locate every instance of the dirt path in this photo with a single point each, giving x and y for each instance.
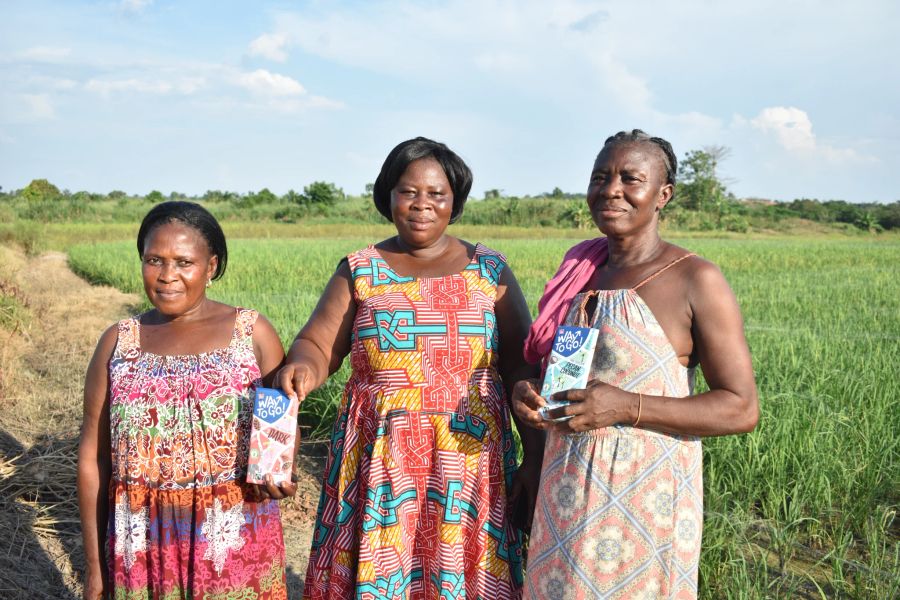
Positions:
(50, 321)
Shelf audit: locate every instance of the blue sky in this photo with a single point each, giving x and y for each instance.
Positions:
(139, 95)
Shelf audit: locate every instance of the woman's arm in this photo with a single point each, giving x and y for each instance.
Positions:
(268, 349)
(94, 466)
(730, 405)
(513, 321)
(320, 347)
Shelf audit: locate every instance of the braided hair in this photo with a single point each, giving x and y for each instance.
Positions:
(637, 135)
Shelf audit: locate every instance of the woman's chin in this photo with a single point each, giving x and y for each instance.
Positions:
(421, 238)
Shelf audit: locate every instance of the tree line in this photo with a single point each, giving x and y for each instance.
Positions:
(702, 202)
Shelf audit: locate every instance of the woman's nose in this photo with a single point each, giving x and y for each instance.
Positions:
(611, 187)
(421, 201)
(166, 271)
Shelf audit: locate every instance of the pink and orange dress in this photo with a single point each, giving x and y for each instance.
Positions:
(183, 523)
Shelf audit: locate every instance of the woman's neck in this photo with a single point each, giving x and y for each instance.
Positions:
(634, 250)
(435, 250)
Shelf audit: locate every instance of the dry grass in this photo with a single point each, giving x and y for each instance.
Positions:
(46, 344)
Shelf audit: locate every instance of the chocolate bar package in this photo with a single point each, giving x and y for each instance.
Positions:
(569, 364)
(272, 437)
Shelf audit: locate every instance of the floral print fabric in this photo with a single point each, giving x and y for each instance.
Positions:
(183, 523)
(620, 509)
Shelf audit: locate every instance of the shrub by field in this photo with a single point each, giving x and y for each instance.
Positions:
(806, 506)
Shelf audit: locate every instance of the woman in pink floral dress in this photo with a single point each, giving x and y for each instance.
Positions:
(168, 397)
(620, 504)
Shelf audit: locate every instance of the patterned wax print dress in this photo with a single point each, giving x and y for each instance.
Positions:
(413, 502)
(183, 523)
(620, 509)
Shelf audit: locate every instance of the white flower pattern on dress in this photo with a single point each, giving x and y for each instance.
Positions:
(687, 532)
(626, 454)
(556, 586)
(649, 590)
(222, 530)
(660, 503)
(565, 493)
(611, 549)
(131, 530)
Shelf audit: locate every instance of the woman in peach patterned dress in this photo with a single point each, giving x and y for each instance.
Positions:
(620, 505)
(168, 397)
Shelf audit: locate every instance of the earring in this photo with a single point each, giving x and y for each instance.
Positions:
(208, 282)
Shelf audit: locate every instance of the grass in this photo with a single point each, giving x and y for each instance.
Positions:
(806, 505)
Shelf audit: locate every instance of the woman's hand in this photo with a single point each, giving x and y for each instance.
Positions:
(94, 588)
(296, 380)
(523, 492)
(285, 489)
(598, 405)
(526, 401)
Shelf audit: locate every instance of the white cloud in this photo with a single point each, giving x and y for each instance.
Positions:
(56, 84)
(49, 54)
(501, 61)
(271, 46)
(38, 107)
(135, 6)
(294, 105)
(791, 126)
(266, 83)
(793, 130)
(184, 85)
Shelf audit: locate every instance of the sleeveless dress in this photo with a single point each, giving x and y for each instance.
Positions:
(413, 502)
(182, 521)
(620, 509)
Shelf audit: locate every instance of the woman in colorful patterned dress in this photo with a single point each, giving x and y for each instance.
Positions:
(414, 499)
(168, 396)
(620, 507)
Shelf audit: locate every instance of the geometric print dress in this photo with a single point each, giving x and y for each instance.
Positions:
(182, 520)
(413, 501)
(620, 509)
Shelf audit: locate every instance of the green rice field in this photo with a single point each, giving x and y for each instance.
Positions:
(805, 506)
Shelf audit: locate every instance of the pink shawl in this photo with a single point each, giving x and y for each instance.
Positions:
(577, 267)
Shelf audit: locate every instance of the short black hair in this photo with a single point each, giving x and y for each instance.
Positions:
(193, 215)
(637, 135)
(457, 171)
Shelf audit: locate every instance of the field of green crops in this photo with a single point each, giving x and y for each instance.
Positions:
(806, 506)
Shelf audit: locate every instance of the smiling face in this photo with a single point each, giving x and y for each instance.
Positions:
(176, 265)
(421, 203)
(628, 188)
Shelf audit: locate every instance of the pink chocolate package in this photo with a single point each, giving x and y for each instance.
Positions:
(272, 437)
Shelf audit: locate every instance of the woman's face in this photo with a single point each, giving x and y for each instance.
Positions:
(421, 203)
(176, 266)
(628, 188)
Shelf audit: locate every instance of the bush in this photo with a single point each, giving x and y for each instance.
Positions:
(889, 216)
(320, 192)
(58, 210)
(251, 200)
(40, 190)
(735, 223)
